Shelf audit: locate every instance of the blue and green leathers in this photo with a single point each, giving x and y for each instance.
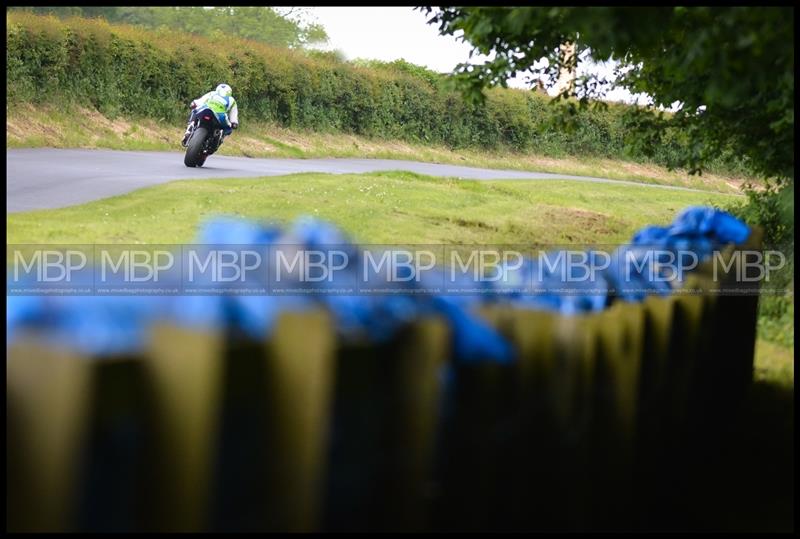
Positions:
(224, 107)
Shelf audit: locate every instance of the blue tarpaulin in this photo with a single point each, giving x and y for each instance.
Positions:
(108, 325)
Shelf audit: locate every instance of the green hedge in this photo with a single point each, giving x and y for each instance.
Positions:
(119, 69)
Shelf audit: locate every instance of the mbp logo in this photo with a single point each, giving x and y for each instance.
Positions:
(134, 266)
(233, 269)
(395, 268)
(484, 269)
(309, 265)
(572, 266)
(748, 266)
(127, 269)
(485, 265)
(659, 265)
(49, 269)
(222, 265)
(398, 266)
(49, 266)
(325, 269)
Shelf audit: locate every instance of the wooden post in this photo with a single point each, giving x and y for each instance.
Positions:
(299, 387)
(421, 356)
(47, 405)
(185, 369)
(386, 417)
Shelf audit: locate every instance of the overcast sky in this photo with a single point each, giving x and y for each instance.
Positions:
(390, 33)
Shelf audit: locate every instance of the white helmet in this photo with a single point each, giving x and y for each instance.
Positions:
(224, 90)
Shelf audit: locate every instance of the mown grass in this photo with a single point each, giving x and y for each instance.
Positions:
(29, 126)
(774, 363)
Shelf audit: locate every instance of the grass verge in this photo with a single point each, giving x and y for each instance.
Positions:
(390, 207)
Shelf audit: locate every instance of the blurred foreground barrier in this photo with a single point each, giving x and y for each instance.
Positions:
(595, 425)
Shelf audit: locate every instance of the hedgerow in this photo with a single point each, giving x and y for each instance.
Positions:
(126, 70)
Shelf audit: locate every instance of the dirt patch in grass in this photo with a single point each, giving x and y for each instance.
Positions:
(578, 224)
(28, 124)
(469, 223)
(117, 126)
(278, 137)
(251, 147)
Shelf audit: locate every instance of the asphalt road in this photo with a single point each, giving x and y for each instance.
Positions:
(41, 178)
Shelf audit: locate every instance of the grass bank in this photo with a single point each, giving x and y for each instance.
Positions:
(29, 126)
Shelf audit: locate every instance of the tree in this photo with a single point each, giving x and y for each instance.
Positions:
(731, 69)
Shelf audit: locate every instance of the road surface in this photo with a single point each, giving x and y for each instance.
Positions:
(41, 178)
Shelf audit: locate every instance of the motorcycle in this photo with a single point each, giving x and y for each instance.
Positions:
(205, 138)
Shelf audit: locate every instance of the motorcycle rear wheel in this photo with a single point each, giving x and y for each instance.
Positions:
(194, 148)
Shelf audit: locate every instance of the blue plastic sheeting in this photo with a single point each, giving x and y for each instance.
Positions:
(113, 325)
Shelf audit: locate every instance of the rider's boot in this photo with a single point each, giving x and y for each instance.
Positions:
(186, 135)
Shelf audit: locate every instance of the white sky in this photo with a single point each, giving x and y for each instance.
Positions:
(390, 33)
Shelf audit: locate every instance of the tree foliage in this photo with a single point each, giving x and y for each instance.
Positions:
(263, 24)
(731, 69)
